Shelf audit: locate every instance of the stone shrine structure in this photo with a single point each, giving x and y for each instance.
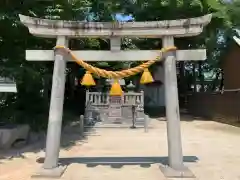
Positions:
(167, 30)
(115, 109)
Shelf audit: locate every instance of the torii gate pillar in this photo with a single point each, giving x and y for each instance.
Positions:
(166, 30)
(56, 109)
(175, 155)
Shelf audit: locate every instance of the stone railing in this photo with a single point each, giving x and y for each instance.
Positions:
(133, 98)
(97, 98)
(102, 99)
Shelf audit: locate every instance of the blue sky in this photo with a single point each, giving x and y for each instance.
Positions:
(121, 17)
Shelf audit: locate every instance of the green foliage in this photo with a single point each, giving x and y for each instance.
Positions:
(31, 102)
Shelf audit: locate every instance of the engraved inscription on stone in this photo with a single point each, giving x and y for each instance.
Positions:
(115, 109)
(115, 100)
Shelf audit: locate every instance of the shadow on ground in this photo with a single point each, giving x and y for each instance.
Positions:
(70, 136)
(118, 162)
(155, 111)
(158, 113)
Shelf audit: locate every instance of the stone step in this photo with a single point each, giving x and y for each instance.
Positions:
(139, 122)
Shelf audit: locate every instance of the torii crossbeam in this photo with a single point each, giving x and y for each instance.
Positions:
(167, 30)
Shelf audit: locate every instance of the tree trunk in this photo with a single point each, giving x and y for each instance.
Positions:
(182, 85)
(194, 77)
(222, 81)
(215, 82)
(201, 77)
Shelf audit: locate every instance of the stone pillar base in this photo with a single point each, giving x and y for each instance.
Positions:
(50, 173)
(169, 172)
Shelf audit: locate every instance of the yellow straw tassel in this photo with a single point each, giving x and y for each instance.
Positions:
(116, 89)
(88, 80)
(146, 77)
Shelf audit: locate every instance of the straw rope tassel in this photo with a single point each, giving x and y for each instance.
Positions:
(88, 80)
(146, 77)
(116, 89)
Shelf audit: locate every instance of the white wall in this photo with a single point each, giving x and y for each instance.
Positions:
(7, 87)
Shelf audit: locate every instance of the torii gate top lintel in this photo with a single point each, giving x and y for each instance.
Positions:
(53, 28)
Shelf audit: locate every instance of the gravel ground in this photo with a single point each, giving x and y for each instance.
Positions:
(211, 152)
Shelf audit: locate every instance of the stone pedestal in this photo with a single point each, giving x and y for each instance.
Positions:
(183, 172)
(50, 173)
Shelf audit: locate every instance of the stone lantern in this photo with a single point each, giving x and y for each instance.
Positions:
(130, 87)
(132, 101)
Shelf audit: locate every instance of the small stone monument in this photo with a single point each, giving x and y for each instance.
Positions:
(115, 107)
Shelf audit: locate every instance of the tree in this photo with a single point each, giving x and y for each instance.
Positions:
(34, 79)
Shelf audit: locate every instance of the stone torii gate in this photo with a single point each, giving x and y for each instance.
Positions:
(62, 31)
